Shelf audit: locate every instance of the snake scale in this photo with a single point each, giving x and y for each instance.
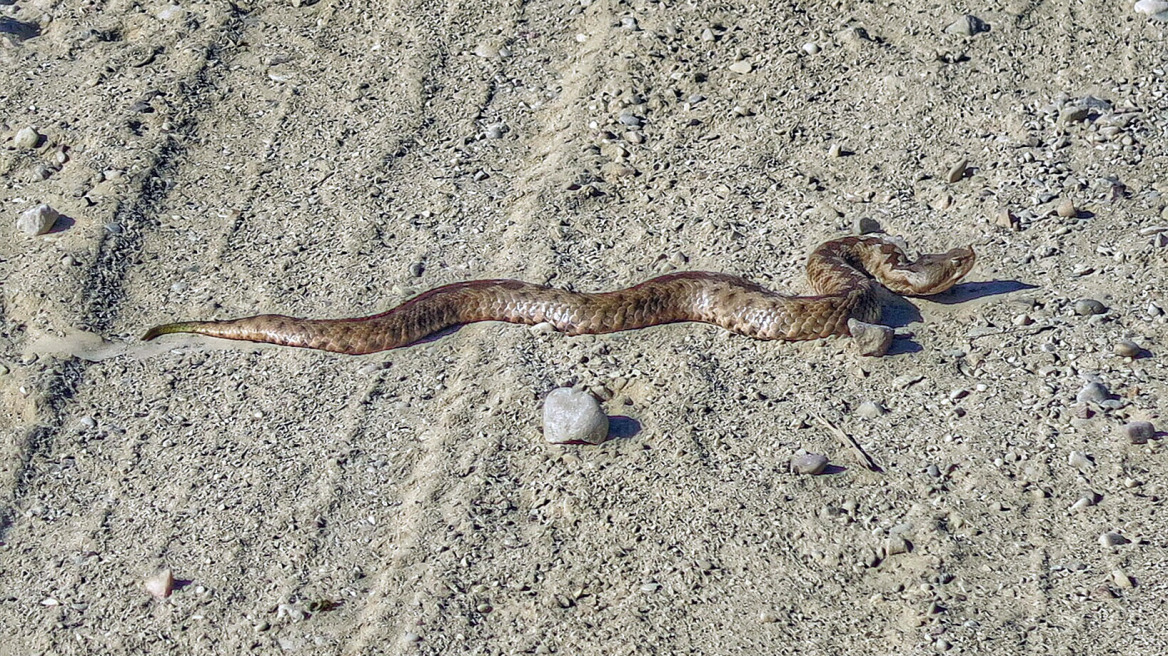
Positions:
(843, 273)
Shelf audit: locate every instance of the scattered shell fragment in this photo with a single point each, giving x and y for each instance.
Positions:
(160, 584)
(809, 463)
(572, 416)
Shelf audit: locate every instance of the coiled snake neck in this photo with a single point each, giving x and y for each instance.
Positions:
(843, 273)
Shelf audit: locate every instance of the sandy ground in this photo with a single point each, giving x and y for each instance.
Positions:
(216, 159)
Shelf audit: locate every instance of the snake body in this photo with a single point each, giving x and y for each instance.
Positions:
(843, 272)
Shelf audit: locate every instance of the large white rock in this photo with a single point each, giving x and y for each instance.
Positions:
(37, 220)
(572, 416)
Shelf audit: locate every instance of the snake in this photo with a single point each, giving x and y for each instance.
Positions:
(844, 273)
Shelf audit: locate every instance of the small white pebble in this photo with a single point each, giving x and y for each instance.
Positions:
(1079, 460)
(741, 67)
(26, 138)
(809, 463)
(870, 410)
(573, 416)
(1112, 539)
(160, 584)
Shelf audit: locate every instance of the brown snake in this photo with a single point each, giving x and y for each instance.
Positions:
(841, 272)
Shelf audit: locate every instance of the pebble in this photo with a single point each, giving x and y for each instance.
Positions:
(809, 463)
(496, 131)
(870, 410)
(160, 584)
(896, 545)
(904, 380)
(1112, 539)
(416, 269)
(1074, 113)
(835, 151)
(741, 67)
(631, 120)
(957, 171)
(171, 12)
(810, 48)
(1122, 580)
(37, 220)
(1093, 393)
(967, 26)
(1139, 432)
(871, 339)
(1088, 306)
(573, 416)
(26, 138)
(1084, 501)
(1127, 349)
(1079, 460)
(1067, 209)
(865, 225)
(1006, 219)
(1155, 9)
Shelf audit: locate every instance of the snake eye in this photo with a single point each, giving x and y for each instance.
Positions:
(955, 262)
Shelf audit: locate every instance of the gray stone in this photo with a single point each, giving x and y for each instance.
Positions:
(1088, 306)
(1112, 539)
(871, 339)
(1139, 432)
(37, 220)
(1127, 349)
(809, 463)
(573, 416)
(870, 410)
(1093, 393)
(26, 138)
(741, 67)
(866, 225)
(957, 171)
(967, 26)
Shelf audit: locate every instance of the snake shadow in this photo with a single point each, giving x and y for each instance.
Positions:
(899, 311)
(969, 291)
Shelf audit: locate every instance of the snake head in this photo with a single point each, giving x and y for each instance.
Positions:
(935, 273)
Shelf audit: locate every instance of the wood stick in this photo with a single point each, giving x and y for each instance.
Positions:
(851, 443)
